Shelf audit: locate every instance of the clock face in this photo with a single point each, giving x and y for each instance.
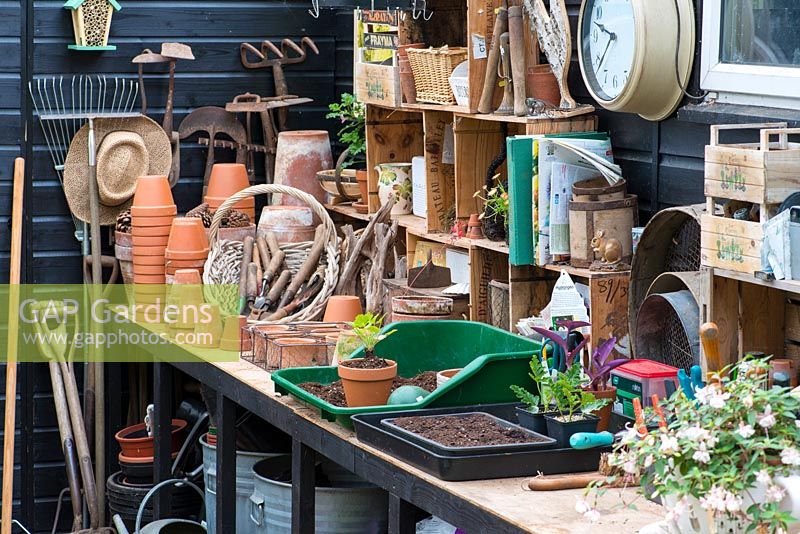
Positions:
(608, 35)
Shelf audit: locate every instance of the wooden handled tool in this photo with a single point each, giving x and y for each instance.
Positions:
(15, 267)
(308, 268)
(709, 335)
(247, 257)
(516, 36)
(507, 105)
(251, 288)
(564, 482)
(493, 60)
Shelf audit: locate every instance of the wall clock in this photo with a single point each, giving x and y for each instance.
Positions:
(636, 55)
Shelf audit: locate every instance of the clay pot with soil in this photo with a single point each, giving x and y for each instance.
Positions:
(367, 381)
(135, 443)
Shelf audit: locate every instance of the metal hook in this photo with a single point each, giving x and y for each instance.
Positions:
(414, 13)
(401, 15)
(314, 11)
(425, 10)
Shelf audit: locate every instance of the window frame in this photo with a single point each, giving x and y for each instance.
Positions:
(745, 84)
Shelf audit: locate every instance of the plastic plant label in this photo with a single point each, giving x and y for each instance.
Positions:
(478, 46)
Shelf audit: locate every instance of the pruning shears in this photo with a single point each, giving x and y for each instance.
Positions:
(552, 350)
(692, 381)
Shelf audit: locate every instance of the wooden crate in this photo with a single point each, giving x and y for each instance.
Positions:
(378, 84)
(761, 173)
(730, 244)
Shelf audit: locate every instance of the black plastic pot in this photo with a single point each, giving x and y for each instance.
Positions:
(561, 431)
(532, 421)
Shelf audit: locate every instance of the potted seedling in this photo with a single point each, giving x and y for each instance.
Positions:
(367, 381)
(599, 371)
(531, 414)
(573, 405)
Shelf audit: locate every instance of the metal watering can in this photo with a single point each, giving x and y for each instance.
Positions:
(163, 526)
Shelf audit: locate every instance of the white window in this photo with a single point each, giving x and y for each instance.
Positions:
(751, 51)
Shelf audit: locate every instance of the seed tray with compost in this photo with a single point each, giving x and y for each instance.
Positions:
(467, 433)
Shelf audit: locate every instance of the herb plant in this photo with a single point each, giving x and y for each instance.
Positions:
(721, 454)
(367, 327)
(351, 113)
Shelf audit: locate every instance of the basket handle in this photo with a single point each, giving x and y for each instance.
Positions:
(783, 137)
(715, 128)
(337, 176)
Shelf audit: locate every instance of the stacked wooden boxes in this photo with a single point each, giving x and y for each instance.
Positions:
(377, 76)
(763, 174)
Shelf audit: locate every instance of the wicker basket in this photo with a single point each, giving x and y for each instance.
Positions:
(432, 68)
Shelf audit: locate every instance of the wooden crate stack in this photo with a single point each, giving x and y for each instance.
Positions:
(763, 174)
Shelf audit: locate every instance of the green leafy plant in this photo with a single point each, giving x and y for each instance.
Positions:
(367, 327)
(495, 201)
(352, 115)
(720, 455)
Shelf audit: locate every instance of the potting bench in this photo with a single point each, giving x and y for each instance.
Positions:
(490, 506)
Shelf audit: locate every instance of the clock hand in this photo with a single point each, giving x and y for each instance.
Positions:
(608, 45)
(603, 29)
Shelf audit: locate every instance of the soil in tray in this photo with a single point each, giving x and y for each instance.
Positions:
(473, 430)
(334, 394)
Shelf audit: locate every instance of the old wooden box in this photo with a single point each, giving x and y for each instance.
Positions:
(378, 84)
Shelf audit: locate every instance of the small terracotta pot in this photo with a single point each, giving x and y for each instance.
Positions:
(148, 260)
(342, 308)
(188, 276)
(300, 352)
(187, 256)
(361, 207)
(138, 222)
(154, 211)
(234, 234)
(542, 84)
(362, 177)
(151, 231)
(214, 204)
(149, 279)
(122, 239)
(185, 264)
(145, 241)
(170, 275)
(152, 191)
(139, 251)
(234, 338)
(226, 180)
(135, 443)
(442, 377)
(605, 413)
(187, 235)
(367, 387)
(475, 231)
(407, 84)
(290, 224)
(148, 269)
(260, 336)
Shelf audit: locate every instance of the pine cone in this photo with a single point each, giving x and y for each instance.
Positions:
(235, 219)
(201, 212)
(124, 222)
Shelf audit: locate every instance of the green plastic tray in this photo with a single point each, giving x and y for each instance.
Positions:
(492, 360)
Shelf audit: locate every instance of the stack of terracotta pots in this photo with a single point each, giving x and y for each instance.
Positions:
(152, 213)
(226, 180)
(187, 246)
(123, 251)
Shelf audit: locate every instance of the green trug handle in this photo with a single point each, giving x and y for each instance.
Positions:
(590, 440)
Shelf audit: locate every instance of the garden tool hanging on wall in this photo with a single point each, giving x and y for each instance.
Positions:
(270, 55)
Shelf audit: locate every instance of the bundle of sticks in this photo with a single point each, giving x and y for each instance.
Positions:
(268, 291)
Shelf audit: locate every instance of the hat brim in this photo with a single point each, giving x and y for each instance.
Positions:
(76, 166)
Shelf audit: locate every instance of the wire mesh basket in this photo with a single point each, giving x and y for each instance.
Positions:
(499, 306)
(278, 346)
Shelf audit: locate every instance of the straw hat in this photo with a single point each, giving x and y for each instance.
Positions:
(126, 149)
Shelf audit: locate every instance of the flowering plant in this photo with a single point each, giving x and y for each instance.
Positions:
(352, 114)
(736, 436)
(495, 201)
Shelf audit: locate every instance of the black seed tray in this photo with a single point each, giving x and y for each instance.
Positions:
(451, 467)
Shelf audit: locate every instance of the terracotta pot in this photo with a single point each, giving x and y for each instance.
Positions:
(214, 204)
(260, 336)
(187, 235)
(542, 85)
(187, 256)
(362, 177)
(361, 207)
(188, 276)
(475, 231)
(234, 234)
(151, 231)
(442, 377)
(342, 308)
(299, 156)
(154, 211)
(148, 269)
(290, 224)
(152, 191)
(138, 222)
(123, 253)
(155, 241)
(407, 85)
(367, 387)
(135, 443)
(126, 270)
(170, 275)
(148, 260)
(226, 180)
(149, 279)
(139, 251)
(398, 317)
(234, 338)
(122, 239)
(416, 305)
(605, 413)
(185, 264)
(300, 352)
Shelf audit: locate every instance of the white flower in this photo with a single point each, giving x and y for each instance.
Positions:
(775, 494)
(693, 433)
(790, 456)
(733, 503)
(669, 445)
(745, 430)
(797, 423)
(702, 394)
(711, 441)
(629, 467)
(763, 477)
(581, 506)
(701, 454)
(748, 401)
(674, 513)
(631, 435)
(648, 461)
(767, 419)
(714, 499)
(712, 395)
(593, 516)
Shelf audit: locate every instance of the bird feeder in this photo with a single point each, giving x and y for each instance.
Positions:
(91, 22)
